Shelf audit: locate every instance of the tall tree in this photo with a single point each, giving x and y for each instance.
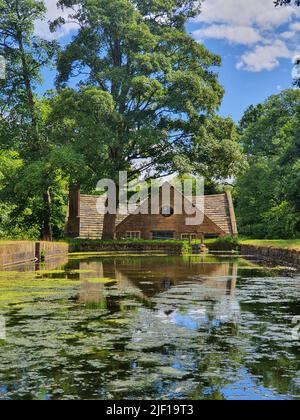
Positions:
(25, 55)
(160, 82)
(268, 193)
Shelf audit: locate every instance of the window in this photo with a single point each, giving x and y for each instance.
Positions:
(133, 235)
(188, 236)
(211, 235)
(167, 211)
(162, 235)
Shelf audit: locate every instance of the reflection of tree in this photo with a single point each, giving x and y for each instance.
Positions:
(168, 327)
(277, 374)
(202, 325)
(224, 348)
(175, 338)
(220, 360)
(267, 326)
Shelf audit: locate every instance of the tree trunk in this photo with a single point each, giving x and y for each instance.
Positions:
(27, 83)
(47, 229)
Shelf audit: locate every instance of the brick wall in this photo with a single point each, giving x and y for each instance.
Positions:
(85, 219)
(146, 224)
(177, 223)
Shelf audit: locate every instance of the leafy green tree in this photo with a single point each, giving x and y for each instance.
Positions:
(160, 83)
(286, 2)
(25, 55)
(77, 126)
(262, 126)
(268, 193)
(12, 220)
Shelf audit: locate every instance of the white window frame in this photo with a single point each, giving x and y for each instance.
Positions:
(133, 234)
(188, 236)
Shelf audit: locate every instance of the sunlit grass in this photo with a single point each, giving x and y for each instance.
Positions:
(279, 243)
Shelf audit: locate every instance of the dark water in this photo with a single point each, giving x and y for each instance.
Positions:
(149, 327)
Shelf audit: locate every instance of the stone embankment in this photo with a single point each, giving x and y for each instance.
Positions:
(24, 251)
(279, 256)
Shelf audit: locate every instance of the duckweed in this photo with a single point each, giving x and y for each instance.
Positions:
(113, 327)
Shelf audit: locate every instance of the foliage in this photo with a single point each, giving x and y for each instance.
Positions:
(145, 103)
(25, 55)
(20, 114)
(158, 85)
(77, 245)
(21, 188)
(224, 243)
(268, 193)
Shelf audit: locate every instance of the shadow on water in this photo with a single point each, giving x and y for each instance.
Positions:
(161, 327)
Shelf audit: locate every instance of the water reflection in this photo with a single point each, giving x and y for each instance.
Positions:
(148, 280)
(149, 327)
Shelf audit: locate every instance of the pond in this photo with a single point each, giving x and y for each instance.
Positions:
(149, 327)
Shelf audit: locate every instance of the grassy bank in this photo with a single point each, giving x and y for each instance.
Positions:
(227, 243)
(279, 243)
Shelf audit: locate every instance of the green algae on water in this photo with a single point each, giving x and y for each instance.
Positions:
(149, 328)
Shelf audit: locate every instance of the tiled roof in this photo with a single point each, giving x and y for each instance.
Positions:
(217, 209)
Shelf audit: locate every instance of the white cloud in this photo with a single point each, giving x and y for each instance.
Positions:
(295, 26)
(287, 35)
(269, 33)
(264, 57)
(42, 27)
(236, 34)
(246, 13)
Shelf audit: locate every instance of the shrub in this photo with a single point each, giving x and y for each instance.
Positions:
(224, 243)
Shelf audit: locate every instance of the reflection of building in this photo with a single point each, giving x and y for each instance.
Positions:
(164, 273)
(202, 297)
(146, 277)
(189, 298)
(215, 215)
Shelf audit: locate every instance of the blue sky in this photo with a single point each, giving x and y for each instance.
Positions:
(242, 87)
(256, 41)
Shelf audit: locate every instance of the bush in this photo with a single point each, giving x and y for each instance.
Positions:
(224, 243)
(80, 244)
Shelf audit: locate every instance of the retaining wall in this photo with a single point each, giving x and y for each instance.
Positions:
(279, 256)
(51, 249)
(23, 251)
(16, 252)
